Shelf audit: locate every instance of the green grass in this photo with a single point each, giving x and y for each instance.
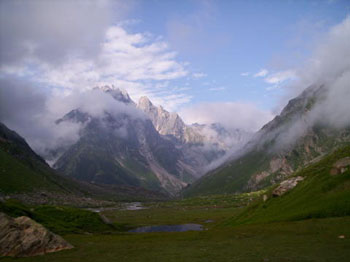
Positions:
(60, 220)
(231, 178)
(15, 176)
(308, 240)
(319, 195)
(302, 225)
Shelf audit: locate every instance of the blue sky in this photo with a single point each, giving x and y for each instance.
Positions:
(189, 56)
(227, 38)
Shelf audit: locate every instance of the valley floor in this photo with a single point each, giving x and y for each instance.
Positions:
(307, 240)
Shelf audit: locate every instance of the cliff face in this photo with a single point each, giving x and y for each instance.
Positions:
(202, 144)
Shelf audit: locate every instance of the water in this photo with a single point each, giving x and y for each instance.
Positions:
(134, 206)
(124, 206)
(168, 228)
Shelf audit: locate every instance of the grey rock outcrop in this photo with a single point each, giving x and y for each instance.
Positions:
(164, 122)
(286, 185)
(202, 144)
(22, 236)
(341, 166)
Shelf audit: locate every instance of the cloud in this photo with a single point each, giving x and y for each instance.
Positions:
(261, 73)
(231, 115)
(137, 62)
(328, 73)
(123, 57)
(24, 108)
(90, 47)
(32, 112)
(199, 75)
(245, 74)
(51, 31)
(279, 77)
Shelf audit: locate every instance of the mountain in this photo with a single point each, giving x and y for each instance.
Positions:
(169, 124)
(322, 191)
(202, 144)
(289, 142)
(122, 147)
(26, 176)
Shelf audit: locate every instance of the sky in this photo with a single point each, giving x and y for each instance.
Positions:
(233, 62)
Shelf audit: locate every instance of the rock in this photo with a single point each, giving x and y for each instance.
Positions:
(105, 219)
(286, 185)
(341, 166)
(264, 198)
(341, 236)
(22, 236)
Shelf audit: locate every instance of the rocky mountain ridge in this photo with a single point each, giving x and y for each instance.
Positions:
(291, 141)
(121, 149)
(151, 147)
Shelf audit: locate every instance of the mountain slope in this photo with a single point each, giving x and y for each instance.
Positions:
(123, 148)
(323, 192)
(22, 170)
(202, 144)
(287, 143)
(26, 176)
(164, 122)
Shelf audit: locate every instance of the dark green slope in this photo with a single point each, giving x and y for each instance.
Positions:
(272, 156)
(23, 172)
(321, 194)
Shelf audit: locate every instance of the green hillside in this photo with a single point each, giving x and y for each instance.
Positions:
(23, 172)
(319, 195)
(277, 151)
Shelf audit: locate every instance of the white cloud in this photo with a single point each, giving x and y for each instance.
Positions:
(329, 69)
(199, 75)
(137, 62)
(83, 50)
(53, 30)
(245, 74)
(124, 56)
(231, 115)
(261, 73)
(279, 77)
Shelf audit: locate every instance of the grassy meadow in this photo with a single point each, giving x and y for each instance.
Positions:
(306, 240)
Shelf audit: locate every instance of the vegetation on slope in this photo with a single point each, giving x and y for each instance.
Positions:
(60, 220)
(280, 148)
(23, 172)
(319, 195)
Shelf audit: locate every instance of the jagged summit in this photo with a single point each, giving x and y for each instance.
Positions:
(119, 94)
(166, 123)
(144, 102)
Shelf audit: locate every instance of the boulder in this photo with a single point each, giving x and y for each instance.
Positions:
(22, 236)
(286, 185)
(341, 166)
